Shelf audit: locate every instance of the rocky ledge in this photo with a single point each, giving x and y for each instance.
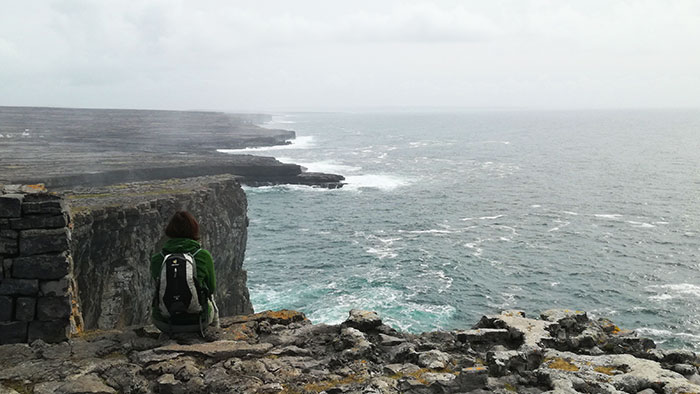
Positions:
(282, 352)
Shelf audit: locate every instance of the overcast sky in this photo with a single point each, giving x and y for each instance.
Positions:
(334, 55)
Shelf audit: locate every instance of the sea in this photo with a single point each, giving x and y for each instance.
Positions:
(449, 216)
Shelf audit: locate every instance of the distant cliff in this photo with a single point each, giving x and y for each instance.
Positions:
(68, 147)
(117, 229)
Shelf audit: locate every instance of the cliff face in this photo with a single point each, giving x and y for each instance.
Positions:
(117, 229)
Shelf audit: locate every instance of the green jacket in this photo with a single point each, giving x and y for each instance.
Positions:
(205, 270)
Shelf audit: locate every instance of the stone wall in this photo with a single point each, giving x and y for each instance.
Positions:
(36, 284)
(113, 241)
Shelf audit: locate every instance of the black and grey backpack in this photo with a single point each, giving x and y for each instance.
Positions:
(178, 292)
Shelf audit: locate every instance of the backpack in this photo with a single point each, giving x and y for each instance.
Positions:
(178, 292)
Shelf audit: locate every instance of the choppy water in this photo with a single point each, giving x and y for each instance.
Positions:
(448, 216)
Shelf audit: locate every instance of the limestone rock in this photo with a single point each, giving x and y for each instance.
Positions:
(363, 320)
(11, 205)
(6, 308)
(32, 242)
(39, 221)
(44, 267)
(218, 350)
(13, 332)
(86, 384)
(434, 359)
(388, 340)
(19, 287)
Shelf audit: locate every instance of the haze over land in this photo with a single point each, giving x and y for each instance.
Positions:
(306, 55)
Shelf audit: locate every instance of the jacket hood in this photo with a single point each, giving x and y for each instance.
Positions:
(181, 245)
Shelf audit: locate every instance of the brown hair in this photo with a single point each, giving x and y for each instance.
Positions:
(183, 225)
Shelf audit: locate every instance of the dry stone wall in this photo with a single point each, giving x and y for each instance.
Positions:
(36, 285)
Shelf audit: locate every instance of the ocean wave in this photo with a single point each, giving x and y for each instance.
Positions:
(286, 188)
(666, 333)
(483, 218)
(431, 231)
(301, 142)
(675, 290)
(327, 166)
(608, 215)
(374, 181)
(640, 224)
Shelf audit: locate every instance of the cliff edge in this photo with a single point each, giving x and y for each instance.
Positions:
(562, 351)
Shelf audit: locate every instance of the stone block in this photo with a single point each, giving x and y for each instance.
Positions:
(54, 207)
(6, 268)
(25, 308)
(31, 195)
(55, 288)
(53, 308)
(19, 287)
(44, 266)
(6, 308)
(9, 246)
(13, 332)
(32, 242)
(9, 234)
(49, 331)
(11, 205)
(39, 221)
(484, 335)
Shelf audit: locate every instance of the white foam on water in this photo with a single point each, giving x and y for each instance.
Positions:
(483, 218)
(286, 188)
(608, 215)
(661, 297)
(676, 290)
(301, 142)
(536, 206)
(374, 181)
(640, 224)
(382, 253)
(665, 333)
(327, 166)
(570, 213)
(431, 231)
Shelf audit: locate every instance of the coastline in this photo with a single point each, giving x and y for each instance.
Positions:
(64, 147)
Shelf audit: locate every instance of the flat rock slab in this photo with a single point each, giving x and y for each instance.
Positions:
(218, 350)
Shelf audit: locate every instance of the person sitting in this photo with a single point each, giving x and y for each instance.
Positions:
(184, 278)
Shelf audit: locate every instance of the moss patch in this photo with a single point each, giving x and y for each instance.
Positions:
(561, 364)
(18, 386)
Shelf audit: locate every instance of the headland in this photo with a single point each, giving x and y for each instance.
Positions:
(66, 147)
